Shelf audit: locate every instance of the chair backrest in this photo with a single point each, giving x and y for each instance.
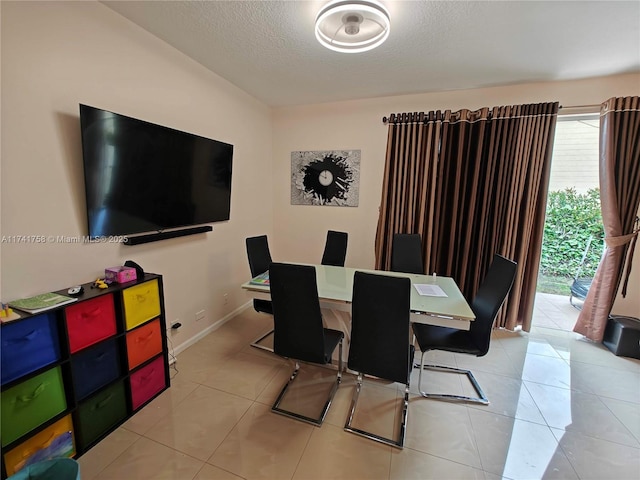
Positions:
(489, 298)
(259, 255)
(406, 253)
(335, 249)
(298, 330)
(380, 319)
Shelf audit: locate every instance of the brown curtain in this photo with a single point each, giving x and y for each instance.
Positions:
(619, 201)
(471, 183)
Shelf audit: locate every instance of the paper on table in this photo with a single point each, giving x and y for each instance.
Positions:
(429, 290)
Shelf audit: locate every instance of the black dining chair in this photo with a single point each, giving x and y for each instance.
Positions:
(487, 302)
(335, 249)
(299, 334)
(406, 253)
(380, 344)
(259, 261)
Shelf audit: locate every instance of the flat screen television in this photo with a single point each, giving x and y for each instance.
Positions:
(141, 177)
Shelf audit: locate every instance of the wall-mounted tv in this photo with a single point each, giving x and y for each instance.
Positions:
(142, 177)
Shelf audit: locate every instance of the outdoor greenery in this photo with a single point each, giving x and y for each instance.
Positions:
(573, 223)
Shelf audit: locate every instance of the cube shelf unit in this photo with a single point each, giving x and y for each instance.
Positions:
(73, 374)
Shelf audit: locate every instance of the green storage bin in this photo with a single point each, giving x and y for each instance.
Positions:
(31, 403)
(100, 413)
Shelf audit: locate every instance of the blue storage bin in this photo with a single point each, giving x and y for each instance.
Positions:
(95, 367)
(28, 345)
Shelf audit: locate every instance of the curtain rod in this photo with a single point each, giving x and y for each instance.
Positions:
(580, 106)
(568, 107)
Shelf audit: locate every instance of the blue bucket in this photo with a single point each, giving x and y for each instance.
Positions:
(55, 469)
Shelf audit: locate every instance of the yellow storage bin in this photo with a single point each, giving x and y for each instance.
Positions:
(141, 303)
(55, 441)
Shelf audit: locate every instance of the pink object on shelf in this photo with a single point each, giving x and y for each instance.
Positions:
(119, 274)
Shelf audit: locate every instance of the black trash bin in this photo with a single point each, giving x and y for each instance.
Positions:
(622, 336)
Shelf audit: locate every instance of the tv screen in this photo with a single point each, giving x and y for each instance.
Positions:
(142, 177)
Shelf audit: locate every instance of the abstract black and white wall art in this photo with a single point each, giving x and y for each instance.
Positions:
(330, 177)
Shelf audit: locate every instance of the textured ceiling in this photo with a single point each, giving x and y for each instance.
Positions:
(268, 48)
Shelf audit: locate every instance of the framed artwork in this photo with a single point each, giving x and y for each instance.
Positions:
(328, 177)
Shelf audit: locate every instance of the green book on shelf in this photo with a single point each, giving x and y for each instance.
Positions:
(262, 279)
(40, 303)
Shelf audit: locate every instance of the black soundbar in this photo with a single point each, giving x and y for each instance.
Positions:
(154, 237)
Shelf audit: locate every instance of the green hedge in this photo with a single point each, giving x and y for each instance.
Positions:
(571, 220)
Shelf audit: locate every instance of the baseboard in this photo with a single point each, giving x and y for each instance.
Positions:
(200, 335)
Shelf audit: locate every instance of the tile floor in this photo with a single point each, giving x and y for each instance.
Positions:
(561, 407)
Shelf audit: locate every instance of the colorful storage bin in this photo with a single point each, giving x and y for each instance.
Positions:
(143, 343)
(95, 367)
(55, 441)
(147, 382)
(141, 303)
(31, 403)
(28, 345)
(89, 322)
(100, 413)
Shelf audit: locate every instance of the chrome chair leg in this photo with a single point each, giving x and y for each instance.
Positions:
(399, 442)
(256, 342)
(482, 398)
(314, 421)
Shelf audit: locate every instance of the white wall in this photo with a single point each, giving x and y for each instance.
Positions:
(358, 125)
(56, 55)
(576, 155)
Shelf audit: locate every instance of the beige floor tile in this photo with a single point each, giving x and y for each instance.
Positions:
(547, 371)
(606, 382)
(105, 452)
(507, 396)
(580, 413)
(149, 460)
(496, 361)
(517, 449)
(598, 459)
(598, 354)
(442, 429)
(548, 375)
(200, 361)
(209, 472)
(243, 375)
(200, 422)
(628, 413)
(335, 454)
(263, 445)
(409, 464)
(160, 407)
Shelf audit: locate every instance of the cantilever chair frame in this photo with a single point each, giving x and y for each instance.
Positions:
(257, 270)
(481, 398)
(499, 263)
(306, 280)
(399, 441)
(314, 421)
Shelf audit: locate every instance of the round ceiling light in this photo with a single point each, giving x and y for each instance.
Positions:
(352, 26)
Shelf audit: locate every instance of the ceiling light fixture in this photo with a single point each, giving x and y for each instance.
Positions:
(352, 26)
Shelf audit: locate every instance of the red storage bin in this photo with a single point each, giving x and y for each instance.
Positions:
(147, 382)
(144, 343)
(91, 321)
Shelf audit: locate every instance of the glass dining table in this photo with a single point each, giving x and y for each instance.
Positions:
(435, 300)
